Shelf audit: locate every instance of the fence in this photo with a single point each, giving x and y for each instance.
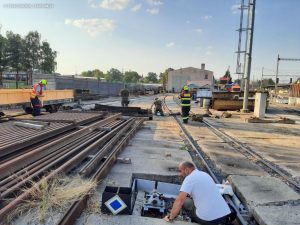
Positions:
(295, 90)
(95, 86)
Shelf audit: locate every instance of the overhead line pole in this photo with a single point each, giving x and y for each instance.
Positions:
(284, 59)
(246, 91)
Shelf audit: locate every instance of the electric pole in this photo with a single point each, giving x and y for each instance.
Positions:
(249, 54)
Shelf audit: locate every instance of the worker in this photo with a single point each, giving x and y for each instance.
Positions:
(200, 197)
(125, 95)
(158, 107)
(185, 97)
(36, 92)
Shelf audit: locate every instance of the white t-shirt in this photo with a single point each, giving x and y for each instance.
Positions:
(209, 202)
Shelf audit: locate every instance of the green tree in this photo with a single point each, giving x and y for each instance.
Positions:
(163, 78)
(267, 82)
(114, 75)
(131, 77)
(31, 53)
(227, 74)
(151, 78)
(88, 73)
(47, 58)
(3, 57)
(98, 74)
(15, 53)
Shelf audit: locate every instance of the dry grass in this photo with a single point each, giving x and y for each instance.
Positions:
(55, 195)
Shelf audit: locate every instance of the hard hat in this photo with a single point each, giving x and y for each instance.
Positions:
(186, 88)
(43, 82)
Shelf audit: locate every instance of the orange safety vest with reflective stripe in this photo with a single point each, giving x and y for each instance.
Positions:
(185, 99)
(35, 92)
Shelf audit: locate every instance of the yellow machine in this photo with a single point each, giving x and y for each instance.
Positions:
(20, 98)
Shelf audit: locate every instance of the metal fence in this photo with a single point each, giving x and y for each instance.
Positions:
(95, 86)
(295, 90)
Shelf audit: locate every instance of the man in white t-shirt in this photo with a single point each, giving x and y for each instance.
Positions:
(207, 205)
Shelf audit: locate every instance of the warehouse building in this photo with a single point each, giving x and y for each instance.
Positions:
(195, 77)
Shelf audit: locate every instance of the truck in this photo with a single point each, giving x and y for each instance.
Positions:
(20, 98)
(232, 87)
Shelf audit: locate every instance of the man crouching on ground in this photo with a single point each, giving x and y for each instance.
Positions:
(205, 205)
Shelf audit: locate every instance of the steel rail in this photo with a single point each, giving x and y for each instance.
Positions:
(38, 164)
(10, 145)
(13, 133)
(29, 141)
(64, 168)
(21, 161)
(89, 167)
(248, 151)
(25, 150)
(77, 207)
(59, 156)
(50, 163)
(191, 141)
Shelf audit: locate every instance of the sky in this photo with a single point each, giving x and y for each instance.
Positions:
(153, 35)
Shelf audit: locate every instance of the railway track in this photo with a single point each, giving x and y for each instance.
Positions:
(256, 158)
(241, 212)
(253, 156)
(93, 148)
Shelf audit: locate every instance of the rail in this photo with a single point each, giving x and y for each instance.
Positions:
(253, 156)
(195, 148)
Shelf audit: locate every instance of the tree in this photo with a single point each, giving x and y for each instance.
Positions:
(151, 78)
(47, 58)
(267, 82)
(31, 53)
(98, 74)
(114, 75)
(3, 57)
(88, 73)
(15, 53)
(227, 74)
(163, 78)
(131, 77)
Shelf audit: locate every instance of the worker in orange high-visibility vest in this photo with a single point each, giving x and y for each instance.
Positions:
(36, 92)
(185, 97)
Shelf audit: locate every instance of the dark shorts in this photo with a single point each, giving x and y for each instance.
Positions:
(191, 211)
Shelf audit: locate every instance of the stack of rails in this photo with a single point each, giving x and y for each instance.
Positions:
(126, 111)
(60, 154)
(14, 139)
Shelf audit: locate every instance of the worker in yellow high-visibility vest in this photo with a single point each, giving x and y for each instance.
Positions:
(185, 97)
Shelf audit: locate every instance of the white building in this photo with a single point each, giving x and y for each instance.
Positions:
(200, 78)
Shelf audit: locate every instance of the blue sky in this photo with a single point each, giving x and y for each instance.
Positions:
(153, 35)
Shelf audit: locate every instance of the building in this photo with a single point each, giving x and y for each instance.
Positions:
(200, 78)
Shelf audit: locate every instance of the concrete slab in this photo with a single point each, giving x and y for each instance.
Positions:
(123, 220)
(277, 143)
(231, 162)
(255, 190)
(225, 157)
(155, 151)
(277, 215)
